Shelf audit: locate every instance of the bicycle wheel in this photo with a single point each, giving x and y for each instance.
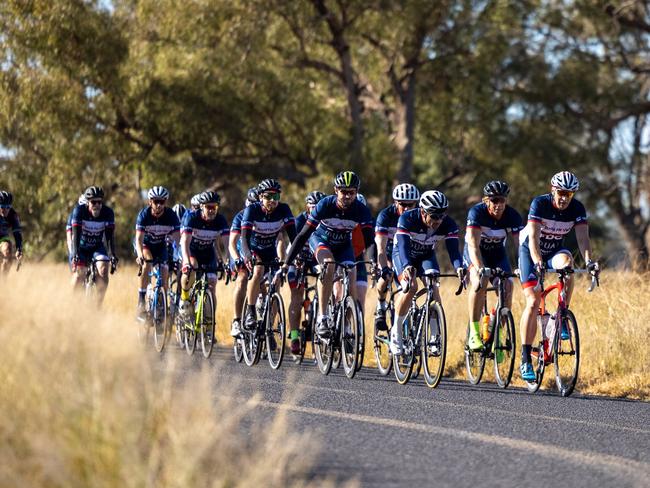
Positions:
(504, 346)
(238, 349)
(474, 360)
(276, 329)
(159, 319)
(349, 328)
(205, 319)
(381, 341)
(434, 343)
(189, 336)
(537, 356)
(250, 343)
(145, 325)
(173, 296)
(362, 336)
(566, 354)
(403, 363)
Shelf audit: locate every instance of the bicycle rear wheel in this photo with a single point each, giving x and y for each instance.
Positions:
(566, 354)
(504, 346)
(251, 343)
(434, 343)
(276, 331)
(403, 363)
(362, 336)
(173, 297)
(207, 324)
(159, 319)
(349, 328)
(474, 360)
(238, 349)
(189, 336)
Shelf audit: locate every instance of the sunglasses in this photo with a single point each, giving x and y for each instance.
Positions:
(407, 204)
(211, 206)
(497, 200)
(5, 206)
(158, 202)
(95, 202)
(271, 196)
(436, 216)
(348, 193)
(565, 193)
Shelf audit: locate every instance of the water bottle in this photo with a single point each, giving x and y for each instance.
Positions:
(550, 327)
(487, 326)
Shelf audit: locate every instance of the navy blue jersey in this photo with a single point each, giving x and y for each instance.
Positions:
(204, 232)
(387, 226)
(264, 227)
(9, 224)
(493, 232)
(415, 241)
(334, 225)
(235, 227)
(68, 223)
(555, 223)
(305, 254)
(93, 229)
(157, 229)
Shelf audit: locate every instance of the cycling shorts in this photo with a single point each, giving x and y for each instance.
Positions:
(342, 254)
(87, 255)
(527, 268)
(421, 265)
(491, 261)
(362, 271)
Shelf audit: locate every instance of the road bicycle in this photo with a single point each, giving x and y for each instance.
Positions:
(501, 341)
(90, 280)
(309, 309)
(156, 316)
(558, 339)
(381, 339)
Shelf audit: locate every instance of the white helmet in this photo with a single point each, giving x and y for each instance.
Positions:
(362, 199)
(82, 200)
(565, 180)
(434, 202)
(406, 192)
(196, 200)
(158, 192)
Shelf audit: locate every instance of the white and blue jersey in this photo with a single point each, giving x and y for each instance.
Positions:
(415, 242)
(156, 229)
(93, 229)
(235, 229)
(334, 225)
(264, 227)
(386, 225)
(305, 254)
(11, 225)
(204, 234)
(492, 244)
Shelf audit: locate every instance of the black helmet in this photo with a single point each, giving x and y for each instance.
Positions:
(269, 185)
(6, 198)
(209, 197)
(347, 179)
(496, 188)
(93, 192)
(252, 196)
(314, 197)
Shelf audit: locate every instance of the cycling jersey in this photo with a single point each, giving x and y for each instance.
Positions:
(387, 226)
(493, 233)
(263, 228)
(305, 254)
(156, 229)
(204, 232)
(555, 223)
(93, 229)
(334, 225)
(11, 224)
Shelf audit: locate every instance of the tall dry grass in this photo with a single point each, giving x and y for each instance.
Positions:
(81, 405)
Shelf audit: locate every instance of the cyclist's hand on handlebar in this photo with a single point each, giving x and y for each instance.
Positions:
(19, 254)
(461, 271)
(485, 272)
(593, 267)
(140, 261)
(114, 261)
(386, 272)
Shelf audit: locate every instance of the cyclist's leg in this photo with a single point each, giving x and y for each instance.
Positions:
(504, 264)
(323, 253)
(187, 277)
(362, 282)
(527, 324)
(103, 264)
(295, 306)
(6, 254)
(79, 272)
(560, 260)
(402, 302)
(144, 277)
(475, 299)
(240, 289)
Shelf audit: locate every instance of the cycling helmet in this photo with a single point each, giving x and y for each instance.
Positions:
(82, 200)
(496, 188)
(179, 209)
(158, 192)
(196, 200)
(6, 198)
(433, 202)
(347, 179)
(314, 197)
(93, 192)
(252, 196)
(565, 180)
(406, 192)
(269, 185)
(362, 199)
(209, 197)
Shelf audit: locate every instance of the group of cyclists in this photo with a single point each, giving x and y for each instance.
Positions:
(332, 228)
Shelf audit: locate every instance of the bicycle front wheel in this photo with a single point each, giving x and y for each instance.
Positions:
(159, 319)
(434, 343)
(538, 360)
(362, 336)
(276, 328)
(251, 344)
(349, 336)
(403, 363)
(205, 319)
(238, 349)
(566, 353)
(504, 347)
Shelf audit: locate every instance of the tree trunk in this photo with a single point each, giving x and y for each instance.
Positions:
(635, 240)
(406, 130)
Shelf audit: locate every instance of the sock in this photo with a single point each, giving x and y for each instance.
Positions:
(250, 309)
(525, 353)
(475, 328)
(185, 294)
(294, 334)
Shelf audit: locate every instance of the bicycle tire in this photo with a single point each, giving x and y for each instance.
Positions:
(207, 324)
(145, 325)
(238, 349)
(403, 363)
(362, 336)
(276, 331)
(433, 365)
(159, 319)
(173, 294)
(504, 347)
(569, 349)
(250, 342)
(349, 330)
(537, 359)
(474, 360)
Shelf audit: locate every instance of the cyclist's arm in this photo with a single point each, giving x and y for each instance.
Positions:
(474, 246)
(76, 238)
(299, 242)
(281, 246)
(534, 233)
(244, 241)
(452, 244)
(232, 245)
(110, 240)
(584, 243)
(186, 238)
(404, 248)
(175, 237)
(18, 238)
(139, 242)
(381, 240)
(221, 245)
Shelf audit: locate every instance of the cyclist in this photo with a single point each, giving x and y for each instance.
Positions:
(405, 197)
(154, 226)
(180, 210)
(359, 250)
(308, 263)
(329, 229)
(91, 225)
(418, 232)
(262, 225)
(488, 224)
(550, 218)
(68, 228)
(237, 264)
(9, 223)
(195, 202)
(204, 239)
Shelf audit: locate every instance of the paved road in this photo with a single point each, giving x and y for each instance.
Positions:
(384, 434)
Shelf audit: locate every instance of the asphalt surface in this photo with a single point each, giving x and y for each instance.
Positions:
(374, 431)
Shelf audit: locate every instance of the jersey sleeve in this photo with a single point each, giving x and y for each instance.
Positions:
(382, 226)
(15, 222)
(77, 218)
(139, 222)
(581, 214)
(235, 228)
(450, 228)
(225, 227)
(517, 223)
(110, 218)
(247, 218)
(318, 213)
(365, 218)
(535, 212)
(473, 217)
(176, 224)
(186, 225)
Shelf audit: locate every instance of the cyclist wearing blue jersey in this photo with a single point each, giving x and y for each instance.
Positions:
(418, 232)
(204, 237)
(195, 202)
(92, 224)
(329, 232)
(405, 197)
(155, 226)
(9, 223)
(68, 228)
(550, 218)
(488, 224)
(237, 264)
(263, 223)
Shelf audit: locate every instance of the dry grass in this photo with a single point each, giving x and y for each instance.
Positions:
(82, 406)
